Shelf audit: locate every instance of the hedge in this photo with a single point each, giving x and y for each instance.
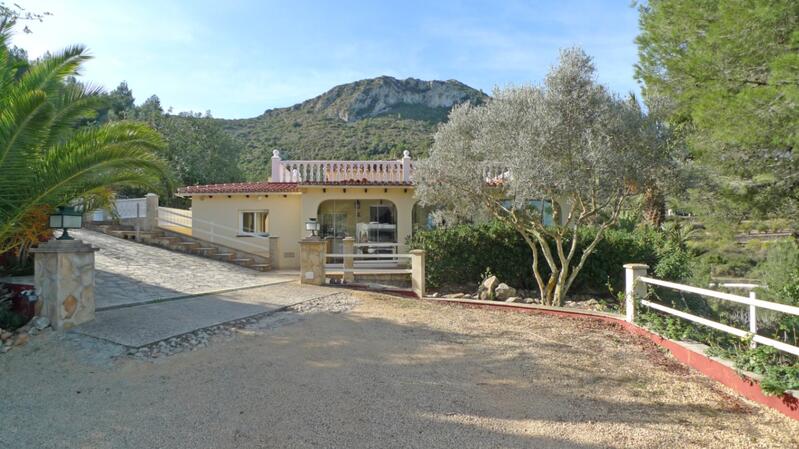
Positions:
(458, 256)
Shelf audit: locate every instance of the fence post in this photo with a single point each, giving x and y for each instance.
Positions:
(150, 212)
(633, 289)
(312, 261)
(276, 168)
(348, 246)
(752, 318)
(417, 272)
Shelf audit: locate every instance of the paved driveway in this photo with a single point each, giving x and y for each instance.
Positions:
(129, 273)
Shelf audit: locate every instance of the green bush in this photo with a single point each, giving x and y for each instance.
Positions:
(458, 255)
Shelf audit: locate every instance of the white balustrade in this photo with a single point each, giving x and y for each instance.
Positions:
(331, 172)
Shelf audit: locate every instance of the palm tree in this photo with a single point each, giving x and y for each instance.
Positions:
(46, 157)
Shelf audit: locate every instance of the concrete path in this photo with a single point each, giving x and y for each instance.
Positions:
(130, 273)
(145, 324)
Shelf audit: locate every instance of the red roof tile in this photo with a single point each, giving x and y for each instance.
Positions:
(240, 187)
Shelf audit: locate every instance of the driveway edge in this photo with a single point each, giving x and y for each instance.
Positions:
(744, 383)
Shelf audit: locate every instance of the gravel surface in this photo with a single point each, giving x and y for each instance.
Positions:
(370, 371)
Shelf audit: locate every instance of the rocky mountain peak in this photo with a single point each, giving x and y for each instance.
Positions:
(385, 95)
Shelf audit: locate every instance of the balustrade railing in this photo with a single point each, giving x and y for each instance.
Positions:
(331, 172)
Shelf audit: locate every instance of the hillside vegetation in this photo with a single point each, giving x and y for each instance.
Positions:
(369, 119)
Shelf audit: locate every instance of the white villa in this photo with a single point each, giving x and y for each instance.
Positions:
(370, 201)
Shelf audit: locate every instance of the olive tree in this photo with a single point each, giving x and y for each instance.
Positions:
(568, 146)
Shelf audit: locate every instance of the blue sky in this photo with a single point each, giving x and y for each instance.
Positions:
(238, 58)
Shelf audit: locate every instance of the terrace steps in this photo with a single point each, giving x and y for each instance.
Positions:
(186, 244)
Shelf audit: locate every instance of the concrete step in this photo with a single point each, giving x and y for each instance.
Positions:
(168, 240)
(261, 266)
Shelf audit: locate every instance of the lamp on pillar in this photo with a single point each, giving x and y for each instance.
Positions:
(66, 218)
(312, 226)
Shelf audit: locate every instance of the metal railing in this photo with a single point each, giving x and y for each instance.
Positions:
(182, 222)
(351, 263)
(636, 282)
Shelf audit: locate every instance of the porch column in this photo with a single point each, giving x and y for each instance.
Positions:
(348, 245)
(312, 261)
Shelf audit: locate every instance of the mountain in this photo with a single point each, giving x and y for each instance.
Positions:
(369, 119)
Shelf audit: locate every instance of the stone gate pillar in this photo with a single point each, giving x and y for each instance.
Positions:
(64, 280)
(312, 261)
(151, 218)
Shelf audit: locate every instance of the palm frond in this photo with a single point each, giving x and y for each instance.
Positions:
(47, 158)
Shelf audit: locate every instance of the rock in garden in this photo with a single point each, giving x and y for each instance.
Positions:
(40, 322)
(528, 300)
(489, 284)
(592, 302)
(5, 335)
(21, 340)
(434, 295)
(514, 299)
(503, 292)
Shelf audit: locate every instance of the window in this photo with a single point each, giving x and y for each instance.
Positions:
(253, 222)
(381, 214)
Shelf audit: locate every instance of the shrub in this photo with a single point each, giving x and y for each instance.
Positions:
(458, 256)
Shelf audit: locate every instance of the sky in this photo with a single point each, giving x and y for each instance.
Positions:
(239, 58)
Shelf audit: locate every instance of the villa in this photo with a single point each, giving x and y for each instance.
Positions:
(370, 201)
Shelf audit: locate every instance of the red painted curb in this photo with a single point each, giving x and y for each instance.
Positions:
(747, 387)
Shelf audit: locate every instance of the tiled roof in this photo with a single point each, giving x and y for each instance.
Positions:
(241, 187)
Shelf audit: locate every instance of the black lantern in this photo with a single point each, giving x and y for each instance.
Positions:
(312, 225)
(66, 218)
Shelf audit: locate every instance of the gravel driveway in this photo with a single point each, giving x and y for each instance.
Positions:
(388, 373)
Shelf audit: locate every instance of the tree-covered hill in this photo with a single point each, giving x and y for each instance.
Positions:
(368, 119)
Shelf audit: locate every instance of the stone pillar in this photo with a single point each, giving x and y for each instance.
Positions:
(633, 288)
(406, 166)
(349, 262)
(277, 175)
(150, 222)
(312, 261)
(274, 252)
(64, 280)
(417, 272)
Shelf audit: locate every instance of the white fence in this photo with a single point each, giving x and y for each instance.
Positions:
(131, 208)
(636, 281)
(124, 208)
(323, 172)
(181, 221)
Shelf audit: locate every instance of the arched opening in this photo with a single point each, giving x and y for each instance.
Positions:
(372, 223)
